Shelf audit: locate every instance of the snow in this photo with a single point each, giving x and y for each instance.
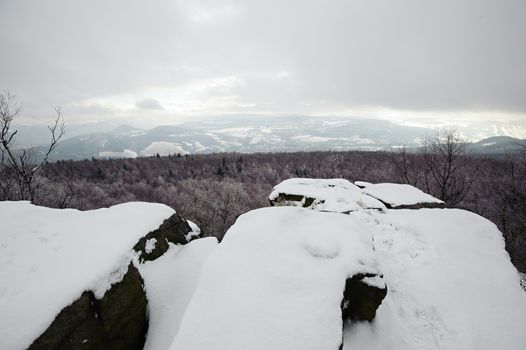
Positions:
(48, 257)
(375, 281)
(451, 284)
(163, 148)
(150, 245)
(396, 194)
(337, 195)
(196, 231)
(170, 281)
(276, 282)
(124, 154)
(199, 147)
(309, 138)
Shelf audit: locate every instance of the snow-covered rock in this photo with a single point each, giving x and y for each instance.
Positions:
(451, 284)
(399, 195)
(195, 231)
(336, 195)
(51, 258)
(276, 281)
(174, 230)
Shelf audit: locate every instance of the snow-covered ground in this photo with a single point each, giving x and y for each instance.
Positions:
(397, 194)
(276, 282)
(48, 257)
(170, 282)
(336, 195)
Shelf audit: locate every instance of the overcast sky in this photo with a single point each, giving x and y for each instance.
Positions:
(164, 61)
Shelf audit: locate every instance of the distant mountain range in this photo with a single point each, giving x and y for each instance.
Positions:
(258, 135)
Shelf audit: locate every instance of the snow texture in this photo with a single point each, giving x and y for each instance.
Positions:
(276, 282)
(150, 245)
(196, 231)
(170, 281)
(48, 257)
(451, 284)
(396, 194)
(336, 195)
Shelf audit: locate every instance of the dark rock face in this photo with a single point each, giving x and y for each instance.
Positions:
(117, 321)
(417, 206)
(361, 300)
(175, 229)
(285, 199)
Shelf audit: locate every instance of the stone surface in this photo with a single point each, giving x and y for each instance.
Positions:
(292, 200)
(361, 299)
(175, 229)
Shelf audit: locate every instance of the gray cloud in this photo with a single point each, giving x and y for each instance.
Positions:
(215, 57)
(149, 104)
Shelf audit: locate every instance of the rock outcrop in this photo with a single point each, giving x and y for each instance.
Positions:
(174, 230)
(119, 319)
(116, 321)
(335, 195)
(72, 281)
(400, 196)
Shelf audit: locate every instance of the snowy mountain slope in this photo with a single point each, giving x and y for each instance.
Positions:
(256, 134)
(55, 255)
(262, 134)
(246, 135)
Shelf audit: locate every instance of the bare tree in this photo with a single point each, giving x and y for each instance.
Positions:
(509, 183)
(20, 167)
(445, 158)
(410, 168)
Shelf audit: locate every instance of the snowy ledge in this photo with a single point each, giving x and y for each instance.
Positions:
(334, 195)
(54, 255)
(399, 196)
